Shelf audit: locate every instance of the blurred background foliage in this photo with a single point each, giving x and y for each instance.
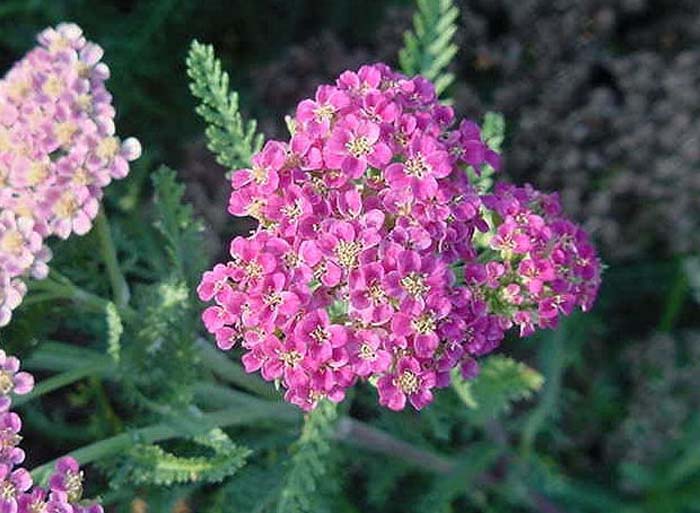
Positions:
(602, 102)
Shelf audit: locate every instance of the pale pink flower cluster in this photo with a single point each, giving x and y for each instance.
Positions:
(58, 150)
(17, 493)
(365, 264)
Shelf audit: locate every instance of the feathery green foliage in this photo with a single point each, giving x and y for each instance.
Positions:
(176, 223)
(429, 48)
(501, 381)
(308, 464)
(153, 465)
(232, 139)
(493, 132)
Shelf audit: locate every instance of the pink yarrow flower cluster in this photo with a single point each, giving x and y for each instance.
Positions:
(17, 491)
(58, 150)
(543, 266)
(364, 264)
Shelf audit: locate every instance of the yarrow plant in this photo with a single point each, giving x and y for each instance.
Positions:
(382, 255)
(58, 150)
(17, 493)
(377, 257)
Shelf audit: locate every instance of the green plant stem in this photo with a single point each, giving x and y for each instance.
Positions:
(375, 440)
(120, 288)
(59, 357)
(164, 431)
(64, 379)
(347, 430)
(57, 286)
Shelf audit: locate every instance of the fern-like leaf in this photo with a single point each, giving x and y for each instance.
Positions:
(308, 465)
(429, 47)
(232, 139)
(176, 222)
(502, 381)
(152, 465)
(493, 133)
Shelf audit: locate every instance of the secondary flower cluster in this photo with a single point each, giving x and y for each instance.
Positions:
(58, 150)
(365, 264)
(544, 264)
(17, 493)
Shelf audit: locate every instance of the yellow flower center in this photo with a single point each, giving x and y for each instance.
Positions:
(108, 148)
(74, 486)
(53, 86)
(319, 334)
(5, 144)
(292, 211)
(66, 206)
(82, 69)
(272, 300)
(414, 284)
(259, 174)
(38, 506)
(8, 491)
(38, 172)
(253, 269)
(12, 242)
(6, 382)
(424, 324)
(367, 353)
(359, 146)
(65, 131)
(8, 439)
(82, 177)
(347, 253)
(58, 44)
(408, 382)
(376, 294)
(17, 91)
(416, 166)
(291, 358)
(324, 112)
(84, 101)
(255, 208)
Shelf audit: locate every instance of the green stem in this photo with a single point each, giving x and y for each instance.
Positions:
(120, 289)
(64, 379)
(57, 286)
(347, 430)
(159, 432)
(59, 357)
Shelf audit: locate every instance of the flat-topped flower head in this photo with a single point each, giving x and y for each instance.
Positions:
(58, 150)
(365, 264)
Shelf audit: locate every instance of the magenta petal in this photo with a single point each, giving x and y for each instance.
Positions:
(401, 325)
